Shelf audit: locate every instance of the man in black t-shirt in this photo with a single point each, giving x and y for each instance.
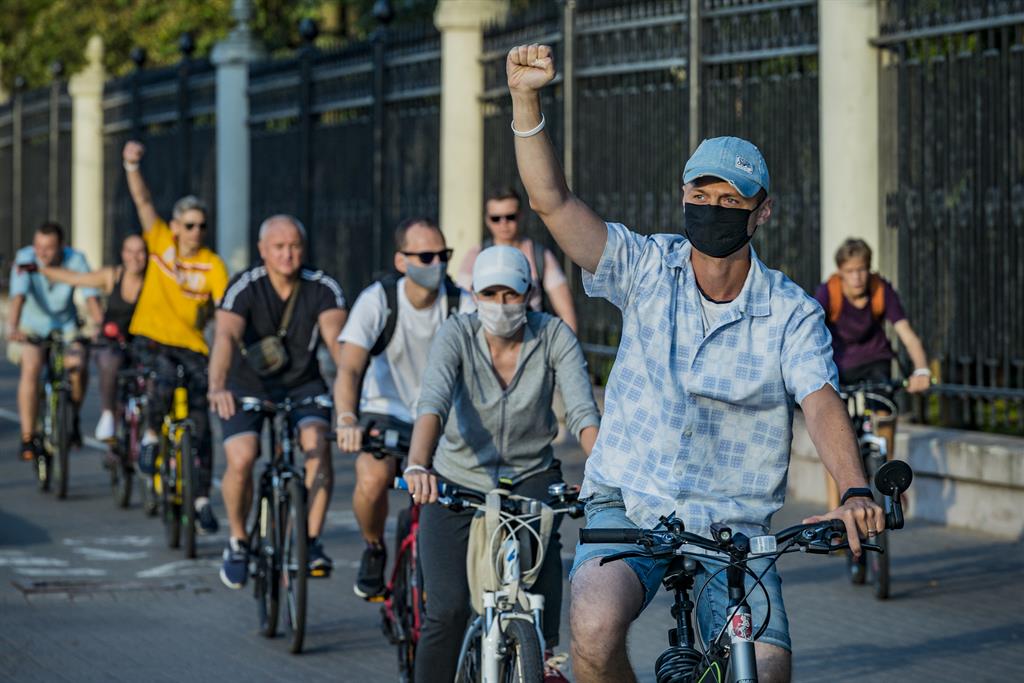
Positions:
(254, 307)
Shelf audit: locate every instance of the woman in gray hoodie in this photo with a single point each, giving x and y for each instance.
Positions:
(485, 406)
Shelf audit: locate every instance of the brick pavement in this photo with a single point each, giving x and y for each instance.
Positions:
(142, 612)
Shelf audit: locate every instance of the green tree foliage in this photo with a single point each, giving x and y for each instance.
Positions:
(36, 33)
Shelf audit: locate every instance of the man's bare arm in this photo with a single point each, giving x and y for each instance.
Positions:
(578, 230)
(331, 323)
(132, 156)
(829, 426)
(352, 362)
(227, 336)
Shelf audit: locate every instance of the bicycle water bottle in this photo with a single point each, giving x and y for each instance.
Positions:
(180, 403)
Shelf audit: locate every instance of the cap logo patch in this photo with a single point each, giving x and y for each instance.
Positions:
(744, 165)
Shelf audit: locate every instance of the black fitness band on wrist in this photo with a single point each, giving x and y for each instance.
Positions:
(856, 492)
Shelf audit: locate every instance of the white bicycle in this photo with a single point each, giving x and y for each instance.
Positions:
(504, 642)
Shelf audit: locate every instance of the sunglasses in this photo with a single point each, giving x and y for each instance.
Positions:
(193, 226)
(510, 217)
(427, 257)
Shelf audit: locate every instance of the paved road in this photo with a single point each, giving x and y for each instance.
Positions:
(89, 592)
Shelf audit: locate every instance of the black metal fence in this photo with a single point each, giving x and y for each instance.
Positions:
(362, 125)
(953, 93)
(623, 100)
(172, 112)
(35, 166)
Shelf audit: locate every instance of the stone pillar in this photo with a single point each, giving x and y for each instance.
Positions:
(462, 127)
(850, 162)
(86, 90)
(231, 57)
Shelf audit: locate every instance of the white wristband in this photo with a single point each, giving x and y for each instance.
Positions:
(415, 468)
(131, 166)
(529, 133)
(921, 372)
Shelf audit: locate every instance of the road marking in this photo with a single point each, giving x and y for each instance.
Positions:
(132, 541)
(109, 555)
(179, 568)
(65, 571)
(21, 560)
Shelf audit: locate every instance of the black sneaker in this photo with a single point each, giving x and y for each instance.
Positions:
(370, 581)
(206, 523)
(235, 570)
(319, 564)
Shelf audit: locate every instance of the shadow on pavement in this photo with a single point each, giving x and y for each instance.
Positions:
(16, 530)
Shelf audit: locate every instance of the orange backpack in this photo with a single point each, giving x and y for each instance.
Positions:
(835, 297)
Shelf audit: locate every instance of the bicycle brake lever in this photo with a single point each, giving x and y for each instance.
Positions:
(873, 548)
(635, 553)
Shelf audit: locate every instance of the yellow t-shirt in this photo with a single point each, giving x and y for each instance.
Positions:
(178, 294)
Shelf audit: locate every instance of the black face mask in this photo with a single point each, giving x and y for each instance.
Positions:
(716, 230)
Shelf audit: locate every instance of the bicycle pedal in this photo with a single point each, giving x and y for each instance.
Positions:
(319, 573)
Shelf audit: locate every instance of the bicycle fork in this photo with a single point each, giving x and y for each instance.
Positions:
(742, 660)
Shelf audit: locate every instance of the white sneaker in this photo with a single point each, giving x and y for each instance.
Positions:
(105, 427)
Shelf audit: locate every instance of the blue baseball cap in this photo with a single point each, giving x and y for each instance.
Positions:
(734, 160)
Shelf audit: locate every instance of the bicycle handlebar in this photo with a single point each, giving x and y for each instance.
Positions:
(887, 386)
(262, 405)
(458, 498)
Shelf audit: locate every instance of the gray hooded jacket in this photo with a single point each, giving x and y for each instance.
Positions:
(491, 433)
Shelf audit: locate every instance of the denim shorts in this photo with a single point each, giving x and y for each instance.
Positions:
(605, 510)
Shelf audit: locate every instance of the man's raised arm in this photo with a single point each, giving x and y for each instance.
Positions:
(132, 157)
(578, 230)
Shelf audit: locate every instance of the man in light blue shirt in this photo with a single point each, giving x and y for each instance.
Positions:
(716, 351)
(39, 308)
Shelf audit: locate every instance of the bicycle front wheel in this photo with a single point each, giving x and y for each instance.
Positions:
(405, 599)
(266, 581)
(170, 509)
(295, 565)
(188, 492)
(877, 563)
(523, 661)
(63, 424)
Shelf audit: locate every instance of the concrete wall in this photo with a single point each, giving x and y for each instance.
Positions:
(962, 479)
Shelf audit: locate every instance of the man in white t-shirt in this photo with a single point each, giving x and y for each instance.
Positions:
(385, 345)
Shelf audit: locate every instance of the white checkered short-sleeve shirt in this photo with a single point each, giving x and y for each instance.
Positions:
(701, 424)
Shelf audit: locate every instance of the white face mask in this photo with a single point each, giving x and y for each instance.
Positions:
(501, 320)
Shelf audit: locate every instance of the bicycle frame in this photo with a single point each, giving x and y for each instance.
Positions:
(409, 545)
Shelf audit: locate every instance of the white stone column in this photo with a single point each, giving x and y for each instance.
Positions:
(462, 127)
(86, 90)
(848, 90)
(232, 56)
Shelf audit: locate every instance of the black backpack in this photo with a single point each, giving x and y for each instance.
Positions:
(390, 284)
(538, 260)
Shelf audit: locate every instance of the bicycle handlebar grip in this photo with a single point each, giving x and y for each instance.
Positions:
(837, 525)
(622, 536)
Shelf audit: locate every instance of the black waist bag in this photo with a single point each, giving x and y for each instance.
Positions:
(268, 356)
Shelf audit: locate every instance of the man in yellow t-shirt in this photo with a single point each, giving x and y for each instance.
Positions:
(183, 283)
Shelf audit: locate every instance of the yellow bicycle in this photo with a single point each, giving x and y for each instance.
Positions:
(174, 479)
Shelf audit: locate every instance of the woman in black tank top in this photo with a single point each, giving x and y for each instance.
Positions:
(122, 285)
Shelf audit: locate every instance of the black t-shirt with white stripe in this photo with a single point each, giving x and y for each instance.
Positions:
(250, 295)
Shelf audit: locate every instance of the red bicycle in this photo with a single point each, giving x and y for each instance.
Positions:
(403, 600)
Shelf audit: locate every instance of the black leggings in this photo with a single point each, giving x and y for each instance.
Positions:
(164, 361)
(443, 544)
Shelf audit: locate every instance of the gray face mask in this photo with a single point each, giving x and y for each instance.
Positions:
(501, 320)
(428, 277)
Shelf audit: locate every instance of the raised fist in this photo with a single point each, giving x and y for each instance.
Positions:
(529, 67)
(133, 151)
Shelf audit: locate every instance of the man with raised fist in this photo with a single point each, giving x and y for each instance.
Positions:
(716, 349)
